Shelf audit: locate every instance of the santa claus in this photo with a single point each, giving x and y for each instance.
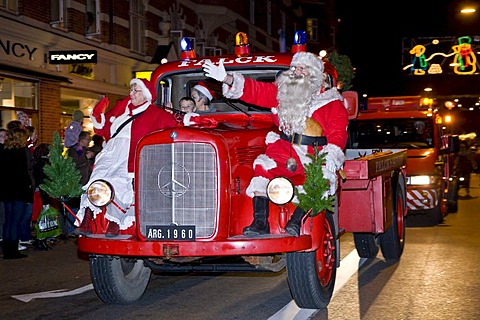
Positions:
(309, 114)
(122, 127)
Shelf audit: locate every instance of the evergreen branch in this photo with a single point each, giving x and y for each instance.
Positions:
(62, 177)
(315, 187)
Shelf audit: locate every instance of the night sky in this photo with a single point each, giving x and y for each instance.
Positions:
(372, 37)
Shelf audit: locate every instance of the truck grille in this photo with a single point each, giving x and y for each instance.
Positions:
(178, 185)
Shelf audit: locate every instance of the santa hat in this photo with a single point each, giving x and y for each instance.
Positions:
(202, 87)
(307, 59)
(148, 89)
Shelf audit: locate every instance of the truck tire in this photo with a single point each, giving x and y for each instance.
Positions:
(365, 244)
(118, 280)
(311, 275)
(392, 241)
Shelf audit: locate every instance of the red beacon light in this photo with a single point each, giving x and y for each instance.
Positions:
(187, 51)
(241, 44)
(299, 42)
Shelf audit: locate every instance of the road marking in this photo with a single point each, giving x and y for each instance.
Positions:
(52, 294)
(348, 267)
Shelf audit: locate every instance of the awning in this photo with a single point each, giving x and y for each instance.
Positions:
(19, 71)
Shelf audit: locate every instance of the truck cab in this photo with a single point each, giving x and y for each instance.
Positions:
(404, 122)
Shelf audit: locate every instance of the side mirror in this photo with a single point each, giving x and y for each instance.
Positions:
(350, 100)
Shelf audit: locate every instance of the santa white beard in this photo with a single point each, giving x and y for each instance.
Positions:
(294, 99)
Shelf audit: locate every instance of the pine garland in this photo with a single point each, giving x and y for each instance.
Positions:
(62, 177)
(315, 187)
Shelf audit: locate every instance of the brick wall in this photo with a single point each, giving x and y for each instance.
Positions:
(48, 110)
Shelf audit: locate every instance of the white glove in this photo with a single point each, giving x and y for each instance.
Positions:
(187, 118)
(214, 72)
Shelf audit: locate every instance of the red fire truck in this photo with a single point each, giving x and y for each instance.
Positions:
(408, 122)
(191, 204)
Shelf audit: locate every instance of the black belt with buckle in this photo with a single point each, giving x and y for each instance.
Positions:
(304, 140)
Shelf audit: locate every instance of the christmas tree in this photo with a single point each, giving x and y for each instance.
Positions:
(62, 177)
(315, 187)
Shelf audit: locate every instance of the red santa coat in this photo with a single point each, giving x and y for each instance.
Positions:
(150, 120)
(328, 111)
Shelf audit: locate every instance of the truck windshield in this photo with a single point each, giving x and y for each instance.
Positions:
(408, 133)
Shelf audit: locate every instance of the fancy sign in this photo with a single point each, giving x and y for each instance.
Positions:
(73, 57)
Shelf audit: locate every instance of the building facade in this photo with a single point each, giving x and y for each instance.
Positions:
(57, 56)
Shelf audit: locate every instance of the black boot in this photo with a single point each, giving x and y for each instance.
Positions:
(260, 218)
(293, 225)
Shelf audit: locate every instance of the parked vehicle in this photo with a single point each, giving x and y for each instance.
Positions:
(403, 122)
(191, 204)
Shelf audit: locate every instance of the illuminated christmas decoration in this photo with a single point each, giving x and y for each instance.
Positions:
(419, 64)
(465, 60)
(460, 50)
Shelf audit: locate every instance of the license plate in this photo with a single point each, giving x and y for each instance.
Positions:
(170, 232)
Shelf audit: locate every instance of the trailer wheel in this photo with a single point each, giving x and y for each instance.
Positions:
(311, 275)
(392, 241)
(365, 244)
(118, 280)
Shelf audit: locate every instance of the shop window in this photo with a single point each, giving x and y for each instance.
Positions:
(17, 95)
(58, 13)
(9, 5)
(92, 18)
(137, 26)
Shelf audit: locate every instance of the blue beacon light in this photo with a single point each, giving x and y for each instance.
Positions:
(187, 51)
(299, 42)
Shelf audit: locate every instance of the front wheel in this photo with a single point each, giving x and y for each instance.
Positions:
(311, 275)
(119, 280)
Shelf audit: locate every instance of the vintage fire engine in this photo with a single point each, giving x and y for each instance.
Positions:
(191, 205)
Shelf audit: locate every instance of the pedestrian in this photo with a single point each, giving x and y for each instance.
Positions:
(464, 165)
(122, 127)
(16, 189)
(73, 129)
(82, 157)
(25, 234)
(3, 138)
(96, 147)
(309, 112)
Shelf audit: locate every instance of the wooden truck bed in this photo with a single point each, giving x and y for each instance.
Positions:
(365, 197)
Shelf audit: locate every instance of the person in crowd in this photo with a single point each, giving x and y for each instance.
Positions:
(308, 111)
(203, 97)
(122, 127)
(73, 129)
(96, 147)
(3, 138)
(82, 157)
(464, 165)
(17, 192)
(23, 118)
(40, 157)
(25, 233)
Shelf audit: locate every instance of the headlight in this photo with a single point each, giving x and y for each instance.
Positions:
(421, 180)
(280, 190)
(100, 193)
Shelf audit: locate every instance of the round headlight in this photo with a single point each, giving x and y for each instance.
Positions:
(100, 193)
(280, 190)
